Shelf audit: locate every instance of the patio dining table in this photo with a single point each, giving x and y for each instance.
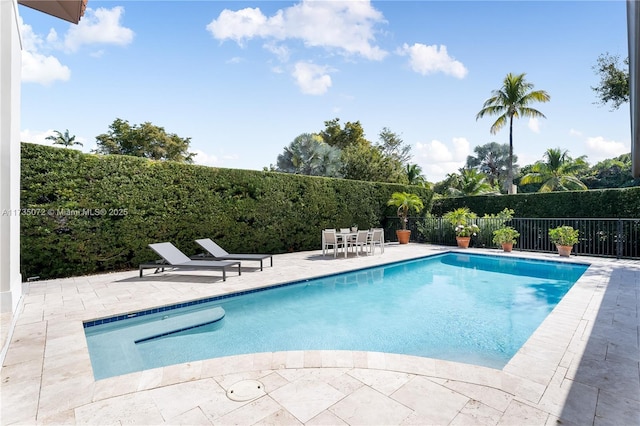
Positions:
(346, 237)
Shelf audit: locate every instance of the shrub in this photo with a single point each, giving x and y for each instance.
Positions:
(564, 235)
(609, 203)
(505, 235)
(98, 213)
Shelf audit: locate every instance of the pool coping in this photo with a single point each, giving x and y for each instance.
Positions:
(539, 381)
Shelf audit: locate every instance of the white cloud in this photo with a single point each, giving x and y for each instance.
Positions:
(204, 159)
(30, 40)
(345, 26)
(461, 148)
(574, 132)
(426, 60)
(52, 37)
(40, 138)
(101, 26)
(526, 159)
(534, 125)
(37, 68)
(282, 52)
(434, 151)
(211, 160)
(311, 78)
(243, 24)
(599, 148)
(438, 159)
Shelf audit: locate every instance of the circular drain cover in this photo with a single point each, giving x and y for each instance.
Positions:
(245, 390)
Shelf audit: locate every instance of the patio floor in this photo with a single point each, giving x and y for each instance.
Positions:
(581, 367)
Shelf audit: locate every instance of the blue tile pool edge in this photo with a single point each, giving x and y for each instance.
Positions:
(122, 317)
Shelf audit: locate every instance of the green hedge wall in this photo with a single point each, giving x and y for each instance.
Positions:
(86, 214)
(602, 203)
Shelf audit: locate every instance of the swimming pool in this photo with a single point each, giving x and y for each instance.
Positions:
(470, 308)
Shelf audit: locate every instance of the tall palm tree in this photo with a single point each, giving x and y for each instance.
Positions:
(558, 172)
(64, 139)
(512, 100)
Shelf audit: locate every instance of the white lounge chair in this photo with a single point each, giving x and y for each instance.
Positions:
(172, 257)
(218, 253)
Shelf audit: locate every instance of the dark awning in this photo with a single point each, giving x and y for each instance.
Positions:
(69, 10)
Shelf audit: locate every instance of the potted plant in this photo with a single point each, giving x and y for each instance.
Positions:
(506, 237)
(564, 237)
(461, 219)
(405, 202)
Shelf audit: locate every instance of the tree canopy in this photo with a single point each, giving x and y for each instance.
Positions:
(414, 175)
(361, 160)
(611, 173)
(338, 151)
(470, 182)
(393, 147)
(308, 154)
(557, 172)
(492, 159)
(335, 135)
(613, 88)
(145, 140)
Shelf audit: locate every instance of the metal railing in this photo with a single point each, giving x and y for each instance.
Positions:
(619, 238)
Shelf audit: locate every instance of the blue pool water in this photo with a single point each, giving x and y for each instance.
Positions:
(469, 308)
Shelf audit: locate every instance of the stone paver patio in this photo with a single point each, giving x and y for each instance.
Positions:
(581, 367)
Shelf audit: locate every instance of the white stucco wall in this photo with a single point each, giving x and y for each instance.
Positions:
(10, 76)
(633, 27)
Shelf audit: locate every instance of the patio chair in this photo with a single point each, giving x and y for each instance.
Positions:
(361, 241)
(376, 238)
(172, 257)
(216, 252)
(329, 238)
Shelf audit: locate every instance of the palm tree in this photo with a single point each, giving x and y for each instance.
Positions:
(414, 174)
(308, 154)
(405, 202)
(63, 138)
(492, 159)
(558, 172)
(471, 182)
(510, 101)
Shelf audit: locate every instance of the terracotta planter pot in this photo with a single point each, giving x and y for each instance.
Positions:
(403, 236)
(564, 251)
(463, 242)
(507, 247)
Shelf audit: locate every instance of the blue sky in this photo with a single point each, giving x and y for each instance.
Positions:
(243, 79)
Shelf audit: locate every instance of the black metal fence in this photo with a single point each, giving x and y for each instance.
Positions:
(619, 238)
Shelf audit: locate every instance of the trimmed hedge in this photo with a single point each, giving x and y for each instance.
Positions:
(86, 213)
(601, 203)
